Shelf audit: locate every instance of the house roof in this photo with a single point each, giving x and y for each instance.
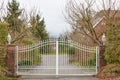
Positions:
(97, 21)
(101, 15)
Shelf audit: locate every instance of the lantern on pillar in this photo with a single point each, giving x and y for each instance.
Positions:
(103, 38)
(9, 38)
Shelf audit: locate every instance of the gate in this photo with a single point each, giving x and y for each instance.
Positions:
(57, 57)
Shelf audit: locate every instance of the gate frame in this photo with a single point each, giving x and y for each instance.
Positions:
(57, 63)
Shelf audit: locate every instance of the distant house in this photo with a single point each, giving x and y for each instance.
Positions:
(99, 24)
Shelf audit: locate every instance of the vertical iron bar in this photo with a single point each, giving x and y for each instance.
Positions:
(32, 54)
(85, 54)
(97, 53)
(17, 60)
(56, 57)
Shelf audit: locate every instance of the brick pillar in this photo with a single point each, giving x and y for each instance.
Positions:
(10, 60)
(102, 61)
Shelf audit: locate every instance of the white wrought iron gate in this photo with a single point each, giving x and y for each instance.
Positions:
(57, 57)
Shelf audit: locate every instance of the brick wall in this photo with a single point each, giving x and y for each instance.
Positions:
(10, 60)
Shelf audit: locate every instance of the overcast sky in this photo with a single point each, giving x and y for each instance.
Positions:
(51, 10)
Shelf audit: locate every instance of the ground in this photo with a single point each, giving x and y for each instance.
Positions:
(50, 61)
(48, 67)
(58, 78)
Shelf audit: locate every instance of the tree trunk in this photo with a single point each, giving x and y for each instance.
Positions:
(102, 61)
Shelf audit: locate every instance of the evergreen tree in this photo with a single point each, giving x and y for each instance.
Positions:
(13, 19)
(112, 53)
(3, 41)
(3, 33)
(38, 28)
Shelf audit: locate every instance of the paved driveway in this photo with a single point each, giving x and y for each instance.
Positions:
(48, 66)
(57, 78)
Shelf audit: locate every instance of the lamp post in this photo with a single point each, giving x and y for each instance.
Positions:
(9, 39)
(103, 38)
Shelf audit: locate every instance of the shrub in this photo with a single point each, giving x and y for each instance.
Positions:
(25, 63)
(27, 42)
(33, 58)
(8, 79)
(112, 51)
(111, 70)
(3, 69)
(92, 59)
(3, 32)
(71, 51)
(36, 57)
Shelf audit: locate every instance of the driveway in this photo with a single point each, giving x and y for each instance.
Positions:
(58, 78)
(48, 67)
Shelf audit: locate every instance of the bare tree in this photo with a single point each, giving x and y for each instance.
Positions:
(111, 9)
(24, 29)
(80, 16)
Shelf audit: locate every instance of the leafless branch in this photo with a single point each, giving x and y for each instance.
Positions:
(80, 16)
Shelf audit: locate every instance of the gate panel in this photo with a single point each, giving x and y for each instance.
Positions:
(76, 59)
(37, 59)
